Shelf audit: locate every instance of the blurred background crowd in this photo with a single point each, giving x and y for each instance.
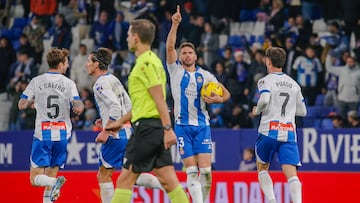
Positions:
(321, 38)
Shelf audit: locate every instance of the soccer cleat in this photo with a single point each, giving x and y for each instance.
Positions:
(55, 191)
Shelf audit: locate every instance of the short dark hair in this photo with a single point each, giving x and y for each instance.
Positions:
(144, 29)
(277, 56)
(103, 56)
(56, 56)
(187, 44)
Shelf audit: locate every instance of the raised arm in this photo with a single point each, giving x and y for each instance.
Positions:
(171, 55)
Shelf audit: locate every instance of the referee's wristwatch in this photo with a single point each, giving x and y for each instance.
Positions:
(167, 127)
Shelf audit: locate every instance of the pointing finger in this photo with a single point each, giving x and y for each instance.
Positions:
(177, 9)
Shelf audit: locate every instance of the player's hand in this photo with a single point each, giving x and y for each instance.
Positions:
(98, 123)
(78, 107)
(213, 98)
(253, 112)
(169, 138)
(176, 18)
(114, 126)
(103, 136)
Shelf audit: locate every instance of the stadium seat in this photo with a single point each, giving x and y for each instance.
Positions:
(236, 41)
(325, 110)
(311, 123)
(20, 22)
(320, 99)
(313, 112)
(327, 123)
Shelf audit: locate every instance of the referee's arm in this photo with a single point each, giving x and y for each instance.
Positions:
(156, 93)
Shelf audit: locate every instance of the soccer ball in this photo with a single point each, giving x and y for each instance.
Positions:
(211, 88)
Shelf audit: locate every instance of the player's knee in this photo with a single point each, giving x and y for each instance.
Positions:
(104, 176)
(205, 171)
(192, 171)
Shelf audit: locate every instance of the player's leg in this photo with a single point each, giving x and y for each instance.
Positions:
(294, 183)
(105, 183)
(40, 159)
(204, 162)
(289, 159)
(124, 186)
(185, 147)
(167, 176)
(58, 159)
(265, 148)
(149, 181)
(110, 157)
(203, 149)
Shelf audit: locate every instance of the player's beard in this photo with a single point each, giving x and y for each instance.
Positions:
(188, 64)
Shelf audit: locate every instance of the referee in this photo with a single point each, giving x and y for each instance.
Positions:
(148, 147)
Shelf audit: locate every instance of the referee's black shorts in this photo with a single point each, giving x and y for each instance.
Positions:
(145, 149)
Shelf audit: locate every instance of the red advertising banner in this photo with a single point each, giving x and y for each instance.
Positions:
(228, 187)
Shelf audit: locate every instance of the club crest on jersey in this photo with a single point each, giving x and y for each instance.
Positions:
(99, 89)
(261, 83)
(199, 79)
(181, 151)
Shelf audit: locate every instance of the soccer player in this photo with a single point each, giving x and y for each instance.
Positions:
(51, 94)
(192, 126)
(113, 102)
(280, 101)
(148, 147)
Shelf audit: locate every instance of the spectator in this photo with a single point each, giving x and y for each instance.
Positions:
(239, 118)
(353, 119)
(248, 162)
(209, 45)
(309, 71)
(99, 28)
(71, 12)
(338, 121)
(15, 90)
(7, 57)
(35, 33)
(348, 84)
(45, 9)
(24, 67)
(61, 31)
(81, 79)
(117, 33)
(220, 72)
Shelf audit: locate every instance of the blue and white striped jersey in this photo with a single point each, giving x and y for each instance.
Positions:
(189, 107)
(307, 71)
(52, 94)
(112, 100)
(278, 118)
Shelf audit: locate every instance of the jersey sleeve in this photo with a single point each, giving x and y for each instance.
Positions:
(104, 92)
(74, 94)
(300, 105)
(296, 63)
(150, 74)
(263, 86)
(172, 68)
(210, 77)
(29, 93)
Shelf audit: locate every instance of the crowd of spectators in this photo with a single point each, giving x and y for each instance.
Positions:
(230, 37)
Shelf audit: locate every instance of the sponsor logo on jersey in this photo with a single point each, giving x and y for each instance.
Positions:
(53, 125)
(276, 125)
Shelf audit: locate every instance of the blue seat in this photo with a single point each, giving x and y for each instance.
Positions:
(325, 110)
(20, 22)
(327, 123)
(236, 41)
(320, 99)
(313, 111)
